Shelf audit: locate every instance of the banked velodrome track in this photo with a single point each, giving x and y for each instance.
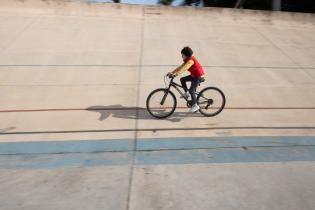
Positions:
(74, 132)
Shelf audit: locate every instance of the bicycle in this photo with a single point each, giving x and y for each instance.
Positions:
(161, 103)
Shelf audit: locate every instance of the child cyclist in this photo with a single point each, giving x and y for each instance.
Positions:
(196, 75)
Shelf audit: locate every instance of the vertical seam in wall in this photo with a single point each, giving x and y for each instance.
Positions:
(285, 54)
(137, 110)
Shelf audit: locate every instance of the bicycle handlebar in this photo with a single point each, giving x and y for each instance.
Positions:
(171, 76)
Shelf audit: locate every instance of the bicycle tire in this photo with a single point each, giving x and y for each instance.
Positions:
(202, 93)
(150, 109)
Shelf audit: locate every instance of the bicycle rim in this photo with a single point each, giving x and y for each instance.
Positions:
(211, 101)
(161, 103)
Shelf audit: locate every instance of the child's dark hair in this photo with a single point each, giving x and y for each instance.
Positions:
(187, 51)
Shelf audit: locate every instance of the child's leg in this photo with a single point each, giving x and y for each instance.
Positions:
(183, 81)
(193, 88)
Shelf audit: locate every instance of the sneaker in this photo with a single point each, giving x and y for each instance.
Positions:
(185, 95)
(194, 108)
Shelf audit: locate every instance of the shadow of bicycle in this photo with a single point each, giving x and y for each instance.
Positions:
(139, 113)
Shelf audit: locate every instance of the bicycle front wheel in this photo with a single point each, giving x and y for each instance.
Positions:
(161, 103)
(211, 101)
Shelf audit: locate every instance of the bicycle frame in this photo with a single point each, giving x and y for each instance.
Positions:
(178, 88)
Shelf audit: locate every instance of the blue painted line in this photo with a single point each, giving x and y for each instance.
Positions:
(52, 147)
(121, 145)
(156, 151)
(207, 156)
(223, 142)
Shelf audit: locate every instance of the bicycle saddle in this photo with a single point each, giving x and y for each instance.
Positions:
(202, 79)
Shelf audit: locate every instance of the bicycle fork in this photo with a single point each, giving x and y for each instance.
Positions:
(165, 95)
(164, 98)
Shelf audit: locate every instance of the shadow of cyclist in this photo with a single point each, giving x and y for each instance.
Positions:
(119, 111)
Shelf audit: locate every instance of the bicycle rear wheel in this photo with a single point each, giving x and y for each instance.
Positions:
(211, 101)
(161, 103)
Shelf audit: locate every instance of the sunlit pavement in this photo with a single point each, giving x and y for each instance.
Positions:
(75, 134)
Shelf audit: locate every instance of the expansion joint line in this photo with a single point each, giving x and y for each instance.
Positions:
(131, 173)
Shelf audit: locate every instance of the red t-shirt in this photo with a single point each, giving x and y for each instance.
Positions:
(196, 69)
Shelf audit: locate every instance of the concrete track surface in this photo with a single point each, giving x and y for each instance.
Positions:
(75, 134)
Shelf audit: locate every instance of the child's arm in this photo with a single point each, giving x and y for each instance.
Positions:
(184, 67)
